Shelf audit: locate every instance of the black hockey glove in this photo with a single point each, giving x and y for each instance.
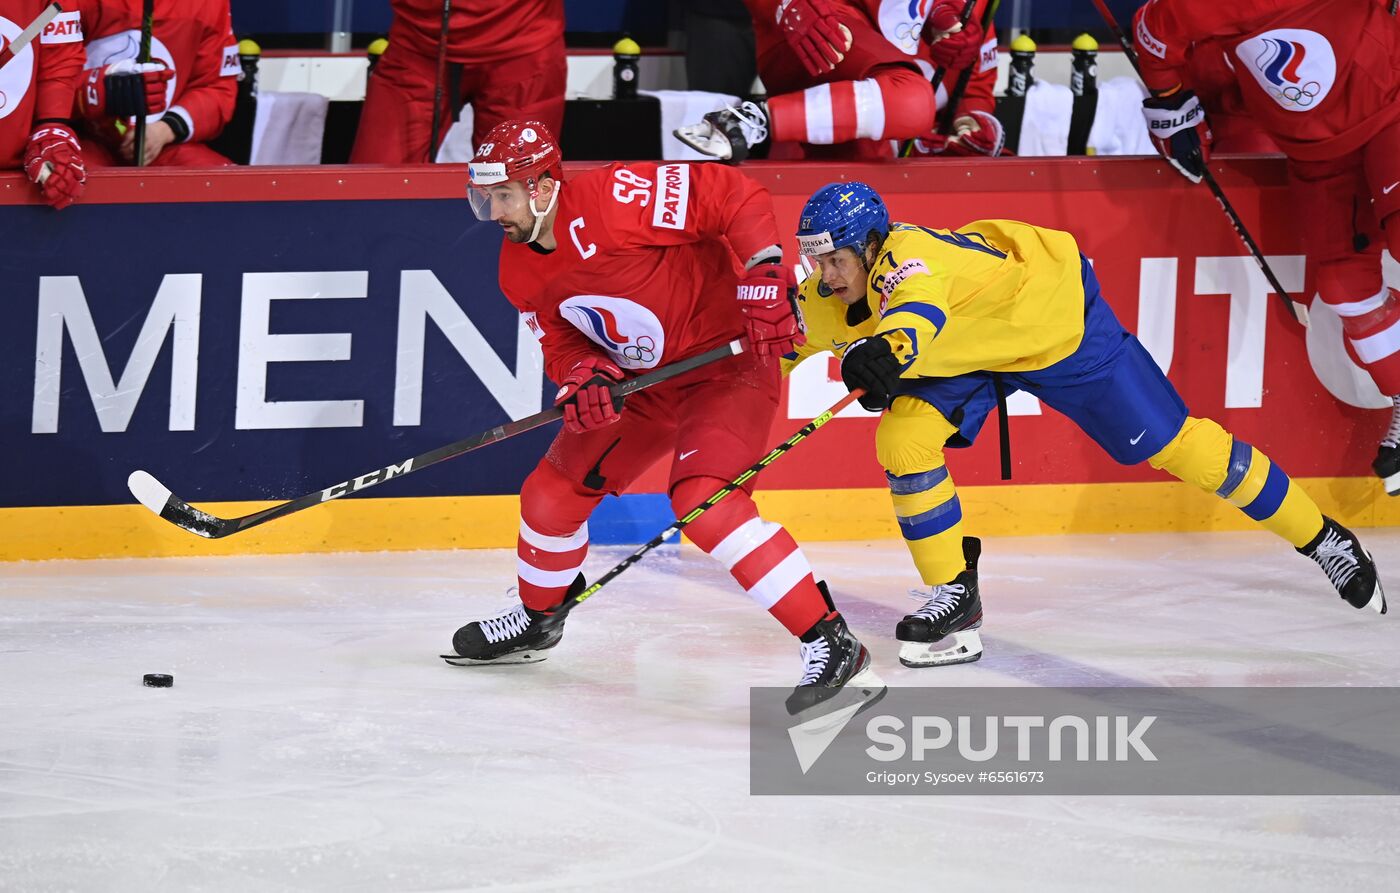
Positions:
(870, 364)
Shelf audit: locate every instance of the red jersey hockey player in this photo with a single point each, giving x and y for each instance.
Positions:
(508, 61)
(621, 269)
(845, 78)
(36, 97)
(1322, 78)
(188, 89)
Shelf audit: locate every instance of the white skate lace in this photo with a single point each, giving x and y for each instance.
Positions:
(941, 602)
(511, 622)
(815, 655)
(752, 122)
(1392, 437)
(1337, 559)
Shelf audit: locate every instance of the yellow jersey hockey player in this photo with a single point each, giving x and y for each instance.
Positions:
(929, 322)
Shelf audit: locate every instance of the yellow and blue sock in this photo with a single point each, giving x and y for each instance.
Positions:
(1205, 454)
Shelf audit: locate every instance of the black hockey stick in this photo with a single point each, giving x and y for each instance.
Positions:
(31, 31)
(437, 85)
(157, 497)
(143, 55)
(681, 523)
(1299, 311)
(939, 74)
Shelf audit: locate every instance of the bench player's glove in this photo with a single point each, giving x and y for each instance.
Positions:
(768, 298)
(54, 162)
(814, 33)
(1178, 127)
(586, 395)
(870, 364)
(124, 89)
(951, 44)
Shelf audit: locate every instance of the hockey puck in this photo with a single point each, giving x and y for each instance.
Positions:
(157, 680)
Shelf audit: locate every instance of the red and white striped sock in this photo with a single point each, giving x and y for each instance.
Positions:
(763, 557)
(897, 103)
(547, 564)
(1372, 328)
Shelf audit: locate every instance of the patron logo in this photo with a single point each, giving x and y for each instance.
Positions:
(673, 196)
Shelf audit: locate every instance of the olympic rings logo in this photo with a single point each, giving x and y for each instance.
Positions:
(1299, 95)
(641, 351)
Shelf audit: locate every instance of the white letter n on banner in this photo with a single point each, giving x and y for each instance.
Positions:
(63, 305)
(421, 296)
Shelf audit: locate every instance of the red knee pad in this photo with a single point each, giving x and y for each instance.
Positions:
(714, 524)
(1391, 227)
(554, 505)
(910, 106)
(1349, 280)
(1373, 340)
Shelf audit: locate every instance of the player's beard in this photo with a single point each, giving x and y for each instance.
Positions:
(515, 232)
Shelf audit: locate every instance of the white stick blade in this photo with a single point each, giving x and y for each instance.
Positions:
(148, 491)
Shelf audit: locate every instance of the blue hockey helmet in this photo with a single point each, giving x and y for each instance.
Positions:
(840, 215)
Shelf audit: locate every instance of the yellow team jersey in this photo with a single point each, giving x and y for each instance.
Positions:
(994, 296)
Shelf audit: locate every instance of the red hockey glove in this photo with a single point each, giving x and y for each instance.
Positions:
(1178, 127)
(124, 89)
(977, 133)
(814, 33)
(768, 297)
(54, 161)
(586, 397)
(951, 45)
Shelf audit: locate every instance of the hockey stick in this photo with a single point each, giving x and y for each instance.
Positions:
(557, 615)
(143, 55)
(31, 31)
(1298, 310)
(157, 497)
(950, 111)
(437, 86)
(939, 74)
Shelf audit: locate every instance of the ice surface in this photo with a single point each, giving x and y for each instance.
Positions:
(314, 741)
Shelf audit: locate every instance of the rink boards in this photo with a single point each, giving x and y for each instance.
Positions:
(252, 335)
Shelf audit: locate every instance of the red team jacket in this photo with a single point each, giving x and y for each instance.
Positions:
(643, 271)
(479, 30)
(1321, 76)
(39, 82)
(194, 37)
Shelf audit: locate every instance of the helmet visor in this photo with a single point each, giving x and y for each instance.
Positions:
(499, 200)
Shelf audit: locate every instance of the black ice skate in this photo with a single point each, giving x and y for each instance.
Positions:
(1347, 565)
(517, 635)
(727, 134)
(835, 662)
(944, 630)
(1387, 464)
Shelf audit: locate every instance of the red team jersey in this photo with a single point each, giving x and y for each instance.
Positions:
(38, 83)
(480, 30)
(193, 37)
(642, 272)
(1321, 76)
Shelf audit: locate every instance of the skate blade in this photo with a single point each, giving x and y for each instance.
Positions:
(1392, 484)
(523, 657)
(863, 691)
(707, 142)
(1377, 602)
(961, 647)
